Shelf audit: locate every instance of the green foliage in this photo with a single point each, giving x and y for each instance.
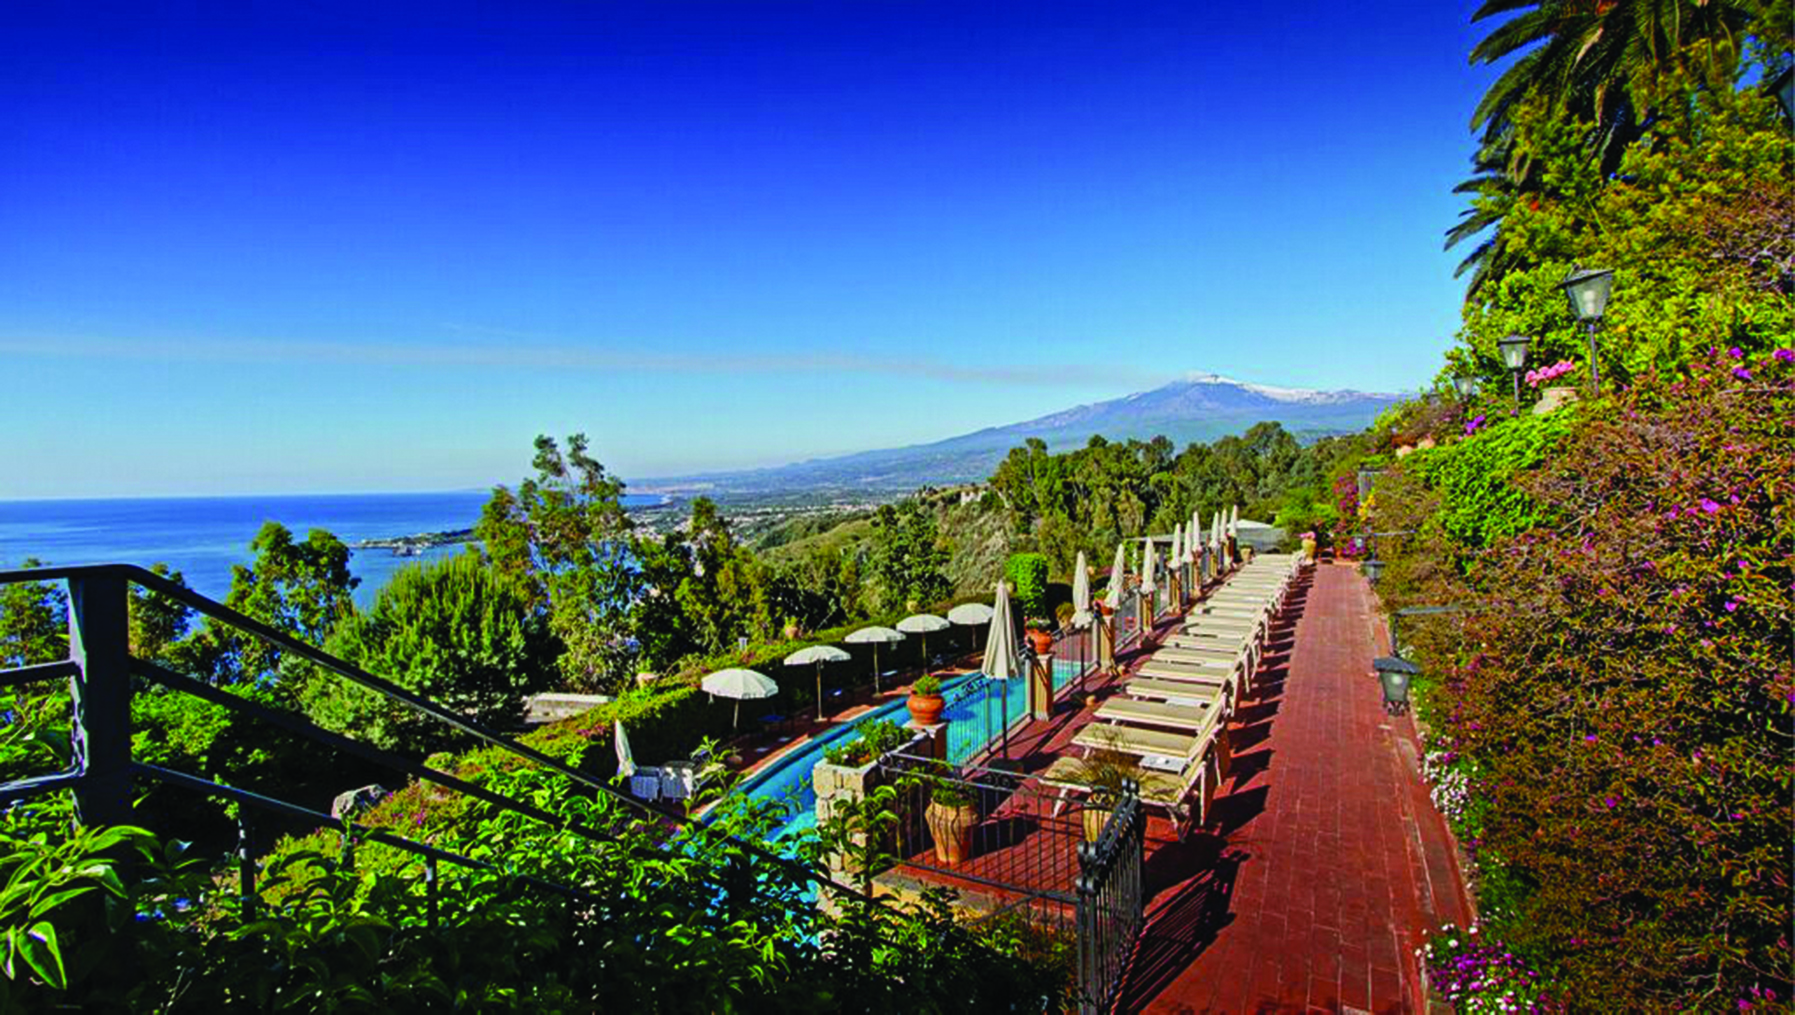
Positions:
(157, 621)
(722, 595)
(1090, 499)
(300, 588)
(34, 621)
(908, 562)
(1633, 643)
(1026, 574)
(874, 740)
(563, 539)
(926, 685)
(452, 631)
(1479, 500)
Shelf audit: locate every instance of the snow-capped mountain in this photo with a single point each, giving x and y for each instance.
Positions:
(1198, 407)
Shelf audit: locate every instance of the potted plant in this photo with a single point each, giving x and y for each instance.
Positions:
(925, 702)
(1104, 772)
(951, 815)
(1308, 540)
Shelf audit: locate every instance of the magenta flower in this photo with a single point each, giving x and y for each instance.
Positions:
(1742, 373)
(1785, 355)
(1731, 605)
(1736, 352)
(1710, 506)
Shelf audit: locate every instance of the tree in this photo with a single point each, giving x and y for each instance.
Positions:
(453, 631)
(300, 588)
(157, 621)
(908, 561)
(722, 597)
(563, 538)
(34, 621)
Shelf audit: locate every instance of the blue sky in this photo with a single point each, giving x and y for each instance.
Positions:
(267, 247)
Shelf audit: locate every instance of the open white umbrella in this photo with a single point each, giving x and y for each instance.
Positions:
(1001, 659)
(626, 761)
(1081, 593)
(920, 624)
(970, 614)
(1117, 577)
(818, 655)
(740, 684)
(874, 636)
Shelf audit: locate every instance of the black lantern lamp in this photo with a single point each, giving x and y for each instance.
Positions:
(1465, 386)
(1588, 290)
(1373, 569)
(1395, 673)
(1513, 350)
(1784, 90)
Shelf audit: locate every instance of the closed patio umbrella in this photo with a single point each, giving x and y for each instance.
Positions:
(1118, 573)
(1147, 566)
(818, 655)
(874, 636)
(1081, 593)
(1001, 659)
(920, 624)
(626, 761)
(741, 685)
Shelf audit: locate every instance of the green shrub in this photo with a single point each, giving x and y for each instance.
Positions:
(1027, 577)
(875, 740)
(1480, 501)
(452, 631)
(926, 685)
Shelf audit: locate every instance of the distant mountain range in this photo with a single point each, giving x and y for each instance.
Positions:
(1199, 407)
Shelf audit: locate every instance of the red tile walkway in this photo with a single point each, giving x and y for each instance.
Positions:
(1327, 861)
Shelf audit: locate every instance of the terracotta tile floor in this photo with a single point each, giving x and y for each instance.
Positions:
(1326, 861)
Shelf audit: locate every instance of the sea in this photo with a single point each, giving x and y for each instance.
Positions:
(201, 537)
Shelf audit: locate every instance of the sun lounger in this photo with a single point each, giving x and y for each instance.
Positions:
(1155, 748)
(1177, 692)
(1189, 719)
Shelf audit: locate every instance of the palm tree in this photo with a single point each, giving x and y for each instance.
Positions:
(1600, 59)
(1498, 189)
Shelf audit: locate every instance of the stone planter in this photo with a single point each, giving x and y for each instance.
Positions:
(1553, 398)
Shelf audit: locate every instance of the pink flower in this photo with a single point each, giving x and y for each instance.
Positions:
(1736, 352)
(1731, 605)
(1785, 355)
(1710, 506)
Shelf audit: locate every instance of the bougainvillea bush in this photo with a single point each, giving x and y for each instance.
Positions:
(1620, 684)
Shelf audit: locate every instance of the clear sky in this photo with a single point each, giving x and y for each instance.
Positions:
(268, 247)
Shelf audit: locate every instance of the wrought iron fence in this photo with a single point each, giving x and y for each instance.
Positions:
(998, 837)
(1110, 906)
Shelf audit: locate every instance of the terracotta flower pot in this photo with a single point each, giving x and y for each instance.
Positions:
(925, 709)
(1040, 640)
(951, 828)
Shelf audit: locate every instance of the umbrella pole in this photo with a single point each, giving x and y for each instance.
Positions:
(819, 692)
(1006, 720)
(736, 723)
(876, 691)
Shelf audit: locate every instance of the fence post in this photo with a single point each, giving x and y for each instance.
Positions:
(100, 645)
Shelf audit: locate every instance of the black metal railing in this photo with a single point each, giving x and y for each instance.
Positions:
(1110, 906)
(102, 672)
(987, 831)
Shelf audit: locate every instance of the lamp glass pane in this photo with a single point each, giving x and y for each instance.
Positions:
(1588, 292)
(1514, 351)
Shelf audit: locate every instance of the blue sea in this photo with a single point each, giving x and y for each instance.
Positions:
(203, 536)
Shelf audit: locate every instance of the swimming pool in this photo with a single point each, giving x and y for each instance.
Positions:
(978, 710)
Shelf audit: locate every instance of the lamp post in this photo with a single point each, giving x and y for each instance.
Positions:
(1513, 350)
(1784, 89)
(1466, 387)
(1588, 290)
(1367, 481)
(1394, 673)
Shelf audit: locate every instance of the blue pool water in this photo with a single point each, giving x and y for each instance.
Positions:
(978, 710)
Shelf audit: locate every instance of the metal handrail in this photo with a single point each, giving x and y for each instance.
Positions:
(73, 777)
